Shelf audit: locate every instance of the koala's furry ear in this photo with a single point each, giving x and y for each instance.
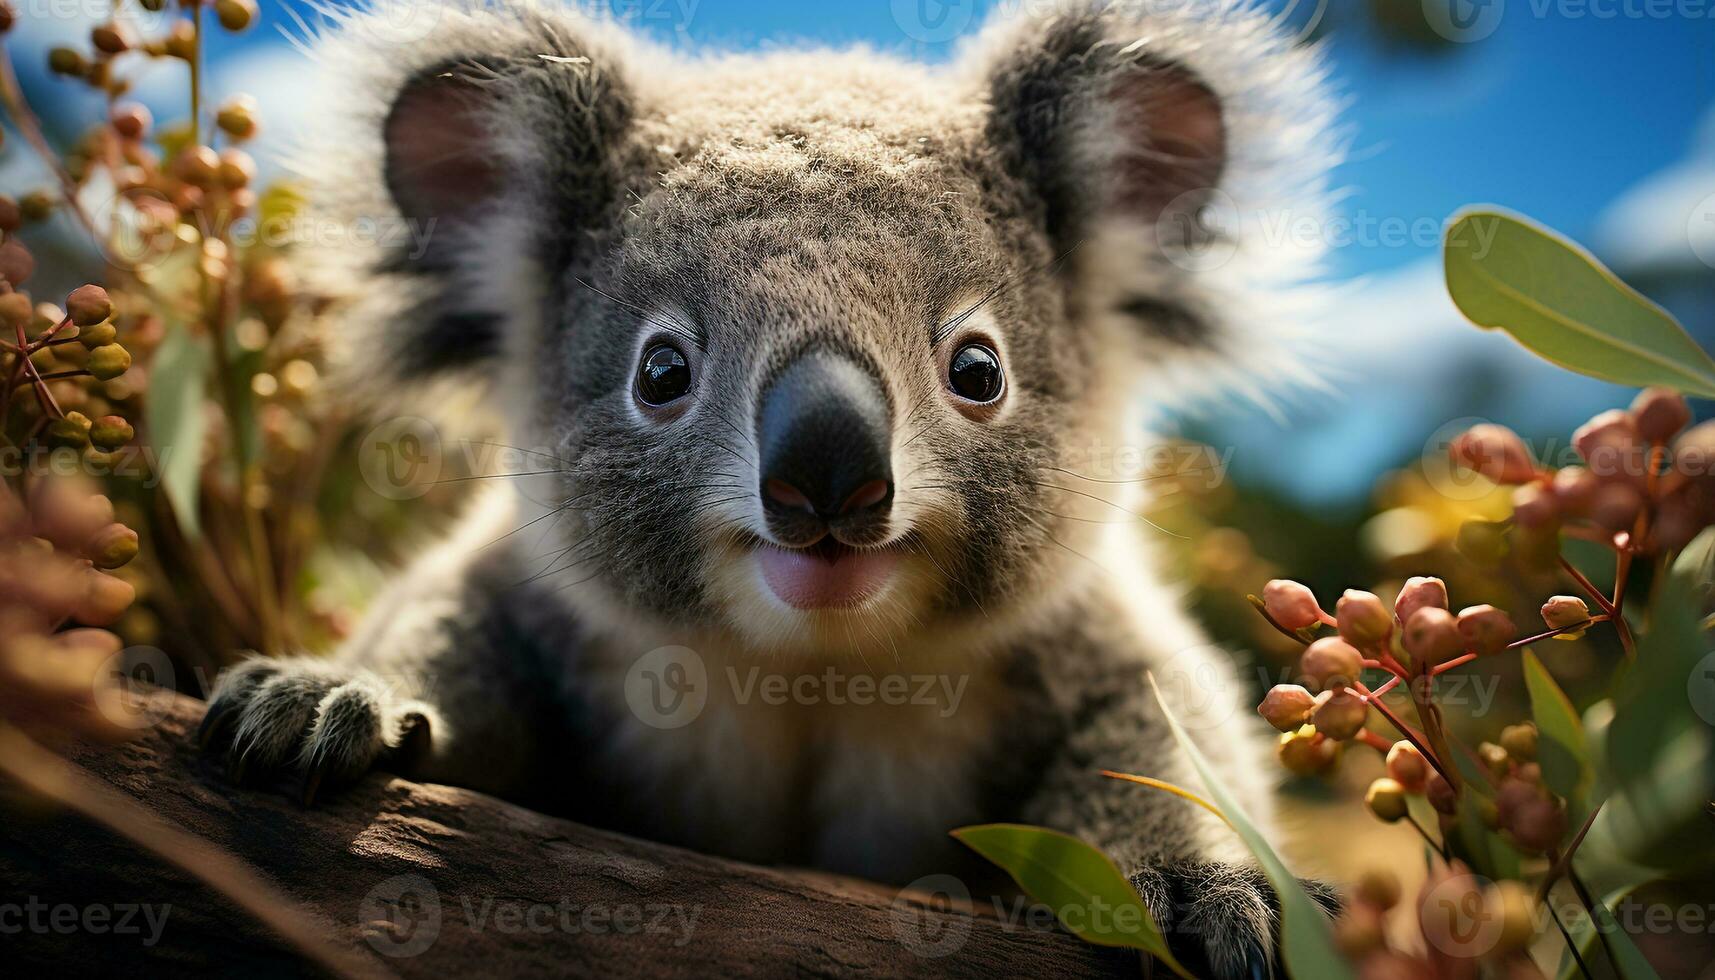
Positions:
(474, 152)
(1164, 146)
(440, 160)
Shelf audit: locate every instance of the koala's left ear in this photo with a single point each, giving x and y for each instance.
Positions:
(475, 158)
(1156, 141)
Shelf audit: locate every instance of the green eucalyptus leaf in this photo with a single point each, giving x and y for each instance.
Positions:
(1561, 749)
(176, 423)
(1307, 942)
(1629, 960)
(1083, 887)
(1695, 565)
(1566, 307)
(1658, 754)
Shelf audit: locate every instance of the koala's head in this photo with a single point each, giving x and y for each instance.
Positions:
(816, 339)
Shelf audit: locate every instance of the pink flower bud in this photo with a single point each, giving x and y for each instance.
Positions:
(1693, 455)
(1611, 446)
(1291, 604)
(1286, 706)
(1339, 714)
(1378, 888)
(1563, 611)
(1534, 506)
(1419, 591)
(1616, 506)
(1386, 799)
(1496, 452)
(1441, 796)
(1432, 636)
(1520, 741)
(1512, 795)
(1408, 767)
(1305, 753)
(1486, 629)
(1495, 757)
(1660, 413)
(1680, 515)
(1538, 825)
(1363, 619)
(1574, 490)
(1330, 662)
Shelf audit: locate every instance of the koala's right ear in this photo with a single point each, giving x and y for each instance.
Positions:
(464, 174)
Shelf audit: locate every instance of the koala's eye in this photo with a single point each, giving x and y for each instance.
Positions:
(664, 375)
(974, 373)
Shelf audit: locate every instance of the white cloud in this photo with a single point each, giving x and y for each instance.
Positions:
(1652, 226)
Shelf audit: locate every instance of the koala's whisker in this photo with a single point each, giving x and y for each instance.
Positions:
(747, 437)
(496, 476)
(1093, 479)
(1050, 536)
(1084, 520)
(556, 512)
(921, 431)
(948, 575)
(521, 449)
(945, 330)
(648, 317)
(735, 454)
(725, 500)
(1104, 500)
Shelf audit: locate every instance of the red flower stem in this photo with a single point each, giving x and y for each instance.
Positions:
(1374, 741)
(49, 334)
(57, 375)
(1392, 682)
(1611, 608)
(1564, 863)
(1466, 658)
(28, 367)
(1588, 586)
(1438, 848)
(1412, 735)
(1289, 634)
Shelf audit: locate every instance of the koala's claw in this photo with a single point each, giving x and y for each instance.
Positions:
(1220, 920)
(273, 716)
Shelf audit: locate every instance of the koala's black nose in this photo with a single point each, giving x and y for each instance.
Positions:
(825, 437)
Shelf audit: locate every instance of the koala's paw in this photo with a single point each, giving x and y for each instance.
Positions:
(305, 719)
(1221, 920)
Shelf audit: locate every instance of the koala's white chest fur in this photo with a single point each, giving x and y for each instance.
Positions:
(866, 768)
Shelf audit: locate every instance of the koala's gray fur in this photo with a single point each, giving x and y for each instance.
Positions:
(761, 205)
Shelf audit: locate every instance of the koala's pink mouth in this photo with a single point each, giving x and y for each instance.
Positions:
(827, 575)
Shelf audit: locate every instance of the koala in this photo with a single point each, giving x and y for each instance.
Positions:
(809, 350)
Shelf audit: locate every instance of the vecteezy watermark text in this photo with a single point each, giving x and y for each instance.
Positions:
(41, 918)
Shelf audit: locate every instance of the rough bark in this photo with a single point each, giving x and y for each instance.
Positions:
(429, 880)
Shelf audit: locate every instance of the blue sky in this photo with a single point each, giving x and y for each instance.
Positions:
(1554, 114)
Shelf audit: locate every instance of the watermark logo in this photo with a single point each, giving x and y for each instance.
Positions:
(1198, 230)
(1200, 691)
(1457, 920)
(1464, 21)
(125, 680)
(1700, 688)
(1447, 478)
(401, 916)
(933, 21)
(400, 22)
(667, 687)
(400, 459)
(1700, 229)
(930, 916)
